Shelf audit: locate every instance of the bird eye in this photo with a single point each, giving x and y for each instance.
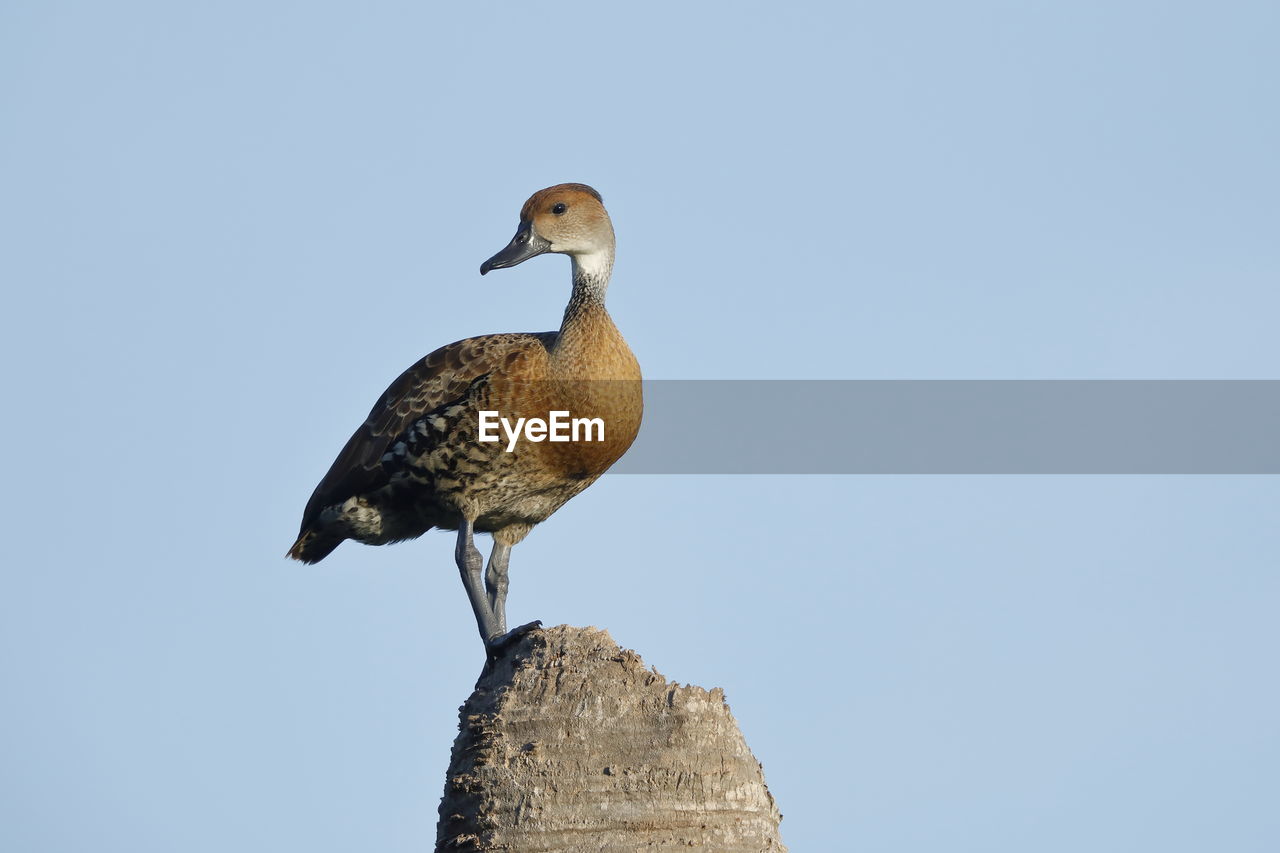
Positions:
(560, 207)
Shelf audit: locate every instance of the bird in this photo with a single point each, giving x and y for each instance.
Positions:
(425, 456)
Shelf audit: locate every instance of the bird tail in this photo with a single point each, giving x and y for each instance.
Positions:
(311, 548)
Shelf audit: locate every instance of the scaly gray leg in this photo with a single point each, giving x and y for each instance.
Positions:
(495, 582)
(469, 564)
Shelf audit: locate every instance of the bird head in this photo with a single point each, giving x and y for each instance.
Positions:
(567, 219)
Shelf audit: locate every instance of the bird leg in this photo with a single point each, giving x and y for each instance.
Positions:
(495, 583)
(469, 564)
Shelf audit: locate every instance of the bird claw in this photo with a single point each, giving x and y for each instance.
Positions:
(500, 643)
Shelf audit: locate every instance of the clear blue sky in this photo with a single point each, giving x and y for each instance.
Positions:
(227, 226)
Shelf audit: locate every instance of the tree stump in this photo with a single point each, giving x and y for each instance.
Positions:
(570, 743)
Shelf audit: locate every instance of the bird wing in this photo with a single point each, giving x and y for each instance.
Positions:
(439, 379)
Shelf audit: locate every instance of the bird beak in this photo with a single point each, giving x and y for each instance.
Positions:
(522, 247)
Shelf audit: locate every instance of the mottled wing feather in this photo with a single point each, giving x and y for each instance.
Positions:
(439, 379)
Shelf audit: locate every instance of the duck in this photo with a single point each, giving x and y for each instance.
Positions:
(425, 458)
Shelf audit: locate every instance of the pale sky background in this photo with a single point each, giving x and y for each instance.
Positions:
(227, 226)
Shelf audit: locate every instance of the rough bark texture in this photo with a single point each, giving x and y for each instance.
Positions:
(570, 743)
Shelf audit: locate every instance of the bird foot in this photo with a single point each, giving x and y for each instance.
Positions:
(495, 646)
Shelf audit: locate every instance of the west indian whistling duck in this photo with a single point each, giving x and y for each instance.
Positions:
(417, 461)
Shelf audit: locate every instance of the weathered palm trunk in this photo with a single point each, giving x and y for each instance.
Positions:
(570, 743)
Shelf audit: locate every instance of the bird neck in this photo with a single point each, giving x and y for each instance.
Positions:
(591, 276)
(590, 283)
(589, 343)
